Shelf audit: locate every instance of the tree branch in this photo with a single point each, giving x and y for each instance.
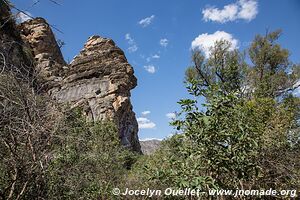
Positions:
(202, 75)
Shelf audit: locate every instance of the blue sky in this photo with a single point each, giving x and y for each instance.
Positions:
(157, 37)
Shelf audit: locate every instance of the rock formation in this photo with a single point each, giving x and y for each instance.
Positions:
(49, 60)
(99, 79)
(148, 147)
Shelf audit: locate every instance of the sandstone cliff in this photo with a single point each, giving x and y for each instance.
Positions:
(49, 61)
(99, 79)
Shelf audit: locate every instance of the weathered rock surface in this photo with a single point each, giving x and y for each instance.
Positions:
(49, 60)
(99, 79)
(150, 146)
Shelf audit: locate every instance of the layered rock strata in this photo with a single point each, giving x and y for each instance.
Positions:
(99, 79)
(49, 60)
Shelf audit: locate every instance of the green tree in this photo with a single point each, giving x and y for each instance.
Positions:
(224, 137)
(273, 73)
(244, 132)
(224, 69)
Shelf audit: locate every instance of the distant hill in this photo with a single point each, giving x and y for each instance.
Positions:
(149, 146)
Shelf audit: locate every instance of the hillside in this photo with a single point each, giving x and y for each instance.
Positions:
(148, 147)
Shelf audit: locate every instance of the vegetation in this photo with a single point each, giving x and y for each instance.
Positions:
(51, 154)
(245, 134)
(25, 131)
(89, 160)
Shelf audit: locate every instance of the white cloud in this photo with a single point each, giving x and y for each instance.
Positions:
(171, 115)
(150, 68)
(228, 13)
(132, 48)
(147, 112)
(129, 39)
(248, 9)
(132, 44)
(145, 123)
(164, 42)
(147, 21)
(242, 9)
(205, 41)
(155, 56)
(22, 17)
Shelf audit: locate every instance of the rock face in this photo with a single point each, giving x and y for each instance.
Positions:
(99, 79)
(49, 60)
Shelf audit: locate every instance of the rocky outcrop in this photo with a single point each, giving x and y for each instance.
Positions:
(49, 60)
(148, 147)
(99, 79)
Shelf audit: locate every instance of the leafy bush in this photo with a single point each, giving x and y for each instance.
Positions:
(88, 159)
(245, 134)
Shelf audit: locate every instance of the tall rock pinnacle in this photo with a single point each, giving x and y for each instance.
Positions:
(98, 80)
